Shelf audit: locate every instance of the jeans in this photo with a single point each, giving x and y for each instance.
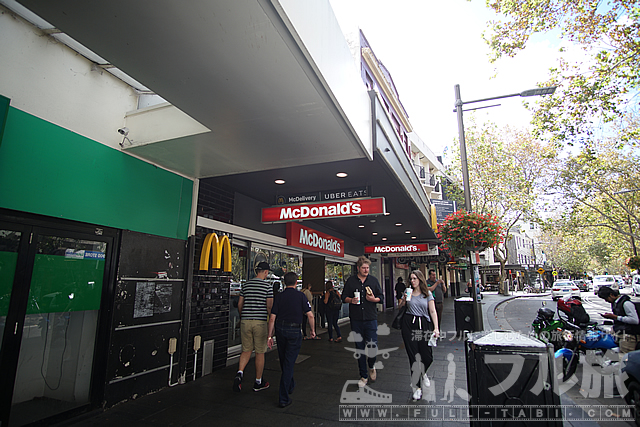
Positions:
(289, 340)
(368, 329)
(332, 321)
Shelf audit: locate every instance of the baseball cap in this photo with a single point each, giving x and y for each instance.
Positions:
(263, 266)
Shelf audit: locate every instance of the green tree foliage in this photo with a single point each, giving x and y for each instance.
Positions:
(595, 204)
(599, 91)
(507, 171)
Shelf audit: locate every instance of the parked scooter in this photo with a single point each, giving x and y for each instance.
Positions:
(630, 365)
(581, 336)
(548, 329)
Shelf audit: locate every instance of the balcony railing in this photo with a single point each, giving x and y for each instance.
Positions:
(427, 179)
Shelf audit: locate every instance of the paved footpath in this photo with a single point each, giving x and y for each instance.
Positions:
(322, 371)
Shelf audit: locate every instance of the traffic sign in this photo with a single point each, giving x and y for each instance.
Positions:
(555, 273)
(541, 270)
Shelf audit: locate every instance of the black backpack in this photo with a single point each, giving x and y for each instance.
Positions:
(335, 303)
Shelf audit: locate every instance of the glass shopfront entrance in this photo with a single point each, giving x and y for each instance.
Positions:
(51, 287)
(243, 265)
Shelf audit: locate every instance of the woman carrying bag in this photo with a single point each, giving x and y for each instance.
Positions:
(417, 323)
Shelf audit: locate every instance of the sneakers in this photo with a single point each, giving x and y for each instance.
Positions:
(262, 386)
(372, 374)
(237, 383)
(425, 381)
(362, 382)
(417, 395)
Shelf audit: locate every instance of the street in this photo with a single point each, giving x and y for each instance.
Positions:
(518, 314)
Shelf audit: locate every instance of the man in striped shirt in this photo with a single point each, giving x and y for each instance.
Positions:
(254, 306)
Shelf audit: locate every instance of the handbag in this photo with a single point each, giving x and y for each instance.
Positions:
(397, 322)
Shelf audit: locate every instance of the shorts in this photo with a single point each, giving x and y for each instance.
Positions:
(254, 335)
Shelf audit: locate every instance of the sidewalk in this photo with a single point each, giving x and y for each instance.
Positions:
(321, 372)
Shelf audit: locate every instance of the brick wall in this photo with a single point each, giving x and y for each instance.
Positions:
(209, 305)
(215, 202)
(209, 314)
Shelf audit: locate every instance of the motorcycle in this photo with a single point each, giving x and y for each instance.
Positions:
(548, 329)
(630, 365)
(582, 336)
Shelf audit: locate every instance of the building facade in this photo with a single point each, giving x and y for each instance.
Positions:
(137, 176)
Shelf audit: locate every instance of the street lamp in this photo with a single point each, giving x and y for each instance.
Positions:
(465, 169)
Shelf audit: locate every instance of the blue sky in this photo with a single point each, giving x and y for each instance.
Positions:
(429, 46)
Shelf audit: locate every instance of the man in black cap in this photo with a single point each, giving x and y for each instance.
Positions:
(624, 316)
(289, 308)
(254, 306)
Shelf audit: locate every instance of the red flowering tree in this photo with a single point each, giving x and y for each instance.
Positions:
(633, 262)
(464, 231)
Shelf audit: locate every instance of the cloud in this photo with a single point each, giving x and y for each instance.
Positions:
(384, 329)
(379, 365)
(354, 337)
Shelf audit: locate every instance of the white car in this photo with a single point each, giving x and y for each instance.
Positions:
(620, 281)
(562, 288)
(606, 280)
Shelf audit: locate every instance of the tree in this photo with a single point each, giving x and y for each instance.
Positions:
(506, 172)
(597, 189)
(602, 90)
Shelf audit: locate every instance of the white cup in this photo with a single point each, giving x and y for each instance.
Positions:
(356, 297)
(408, 293)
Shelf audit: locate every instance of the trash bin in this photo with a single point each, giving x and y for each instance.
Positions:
(510, 377)
(465, 320)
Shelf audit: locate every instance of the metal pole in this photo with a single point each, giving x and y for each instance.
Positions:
(633, 241)
(467, 204)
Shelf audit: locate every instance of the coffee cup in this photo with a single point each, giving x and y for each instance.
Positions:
(408, 293)
(356, 297)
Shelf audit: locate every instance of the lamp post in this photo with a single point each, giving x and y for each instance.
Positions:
(465, 171)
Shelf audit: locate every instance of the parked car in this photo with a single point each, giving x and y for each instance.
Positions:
(635, 285)
(620, 281)
(582, 285)
(606, 280)
(563, 288)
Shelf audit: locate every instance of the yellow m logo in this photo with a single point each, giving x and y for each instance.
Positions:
(221, 247)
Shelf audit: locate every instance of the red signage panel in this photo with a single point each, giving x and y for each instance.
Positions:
(339, 209)
(303, 237)
(389, 249)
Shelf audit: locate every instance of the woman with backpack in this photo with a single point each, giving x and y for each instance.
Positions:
(333, 304)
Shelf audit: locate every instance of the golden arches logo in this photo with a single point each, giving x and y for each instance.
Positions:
(221, 248)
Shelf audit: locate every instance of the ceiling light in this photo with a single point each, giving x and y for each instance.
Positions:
(414, 237)
(384, 238)
(341, 175)
(374, 233)
(398, 224)
(407, 232)
(386, 213)
(361, 226)
(279, 181)
(372, 221)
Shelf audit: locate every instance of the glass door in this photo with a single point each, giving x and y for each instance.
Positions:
(53, 320)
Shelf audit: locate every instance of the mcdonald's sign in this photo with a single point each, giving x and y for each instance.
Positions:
(221, 248)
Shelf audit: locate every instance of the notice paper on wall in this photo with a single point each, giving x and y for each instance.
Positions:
(152, 298)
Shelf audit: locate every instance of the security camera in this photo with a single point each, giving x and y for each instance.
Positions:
(124, 131)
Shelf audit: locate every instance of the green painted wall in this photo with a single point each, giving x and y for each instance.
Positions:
(49, 170)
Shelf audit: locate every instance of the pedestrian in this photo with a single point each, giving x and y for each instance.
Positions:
(307, 292)
(362, 292)
(288, 308)
(418, 323)
(254, 306)
(624, 316)
(322, 310)
(469, 289)
(332, 311)
(400, 287)
(437, 288)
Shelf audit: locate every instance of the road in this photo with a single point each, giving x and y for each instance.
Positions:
(517, 315)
